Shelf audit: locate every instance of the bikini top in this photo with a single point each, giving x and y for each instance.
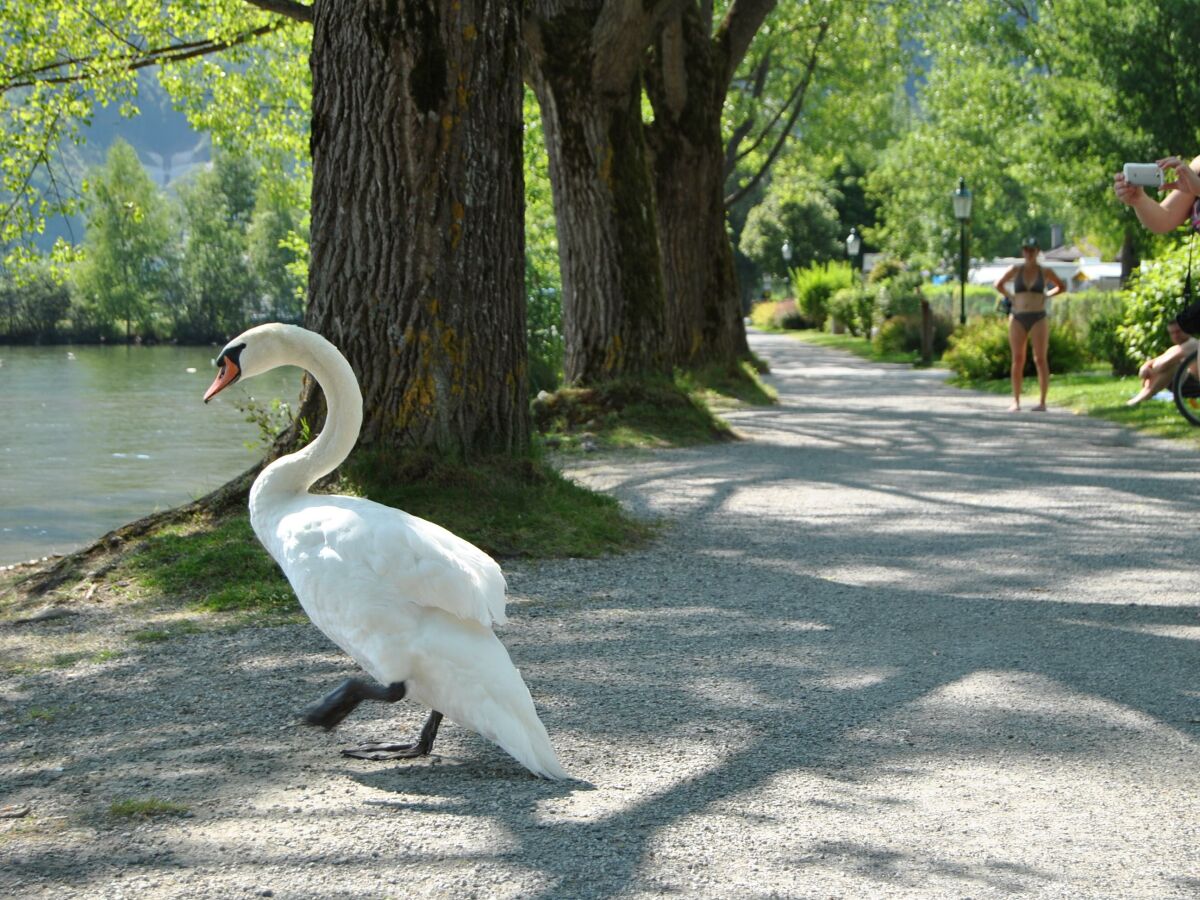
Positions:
(1038, 287)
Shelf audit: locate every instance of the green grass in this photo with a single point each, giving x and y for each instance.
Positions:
(647, 411)
(859, 346)
(145, 808)
(722, 386)
(215, 566)
(42, 713)
(506, 506)
(1096, 393)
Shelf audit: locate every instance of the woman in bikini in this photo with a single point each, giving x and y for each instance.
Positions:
(1032, 286)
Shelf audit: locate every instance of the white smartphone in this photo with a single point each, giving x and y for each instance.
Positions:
(1144, 174)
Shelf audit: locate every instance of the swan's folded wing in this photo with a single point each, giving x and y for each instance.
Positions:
(349, 543)
(431, 566)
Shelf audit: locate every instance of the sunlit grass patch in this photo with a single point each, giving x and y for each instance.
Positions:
(645, 412)
(722, 386)
(213, 565)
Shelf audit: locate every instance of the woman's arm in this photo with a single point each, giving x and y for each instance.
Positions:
(1052, 278)
(1005, 279)
(1158, 217)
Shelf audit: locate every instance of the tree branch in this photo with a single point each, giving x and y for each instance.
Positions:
(738, 29)
(800, 87)
(159, 56)
(783, 135)
(744, 128)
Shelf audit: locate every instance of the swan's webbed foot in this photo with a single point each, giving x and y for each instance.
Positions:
(387, 750)
(342, 701)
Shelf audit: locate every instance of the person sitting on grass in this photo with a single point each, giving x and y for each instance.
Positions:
(1156, 374)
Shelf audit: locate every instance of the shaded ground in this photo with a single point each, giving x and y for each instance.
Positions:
(898, 642)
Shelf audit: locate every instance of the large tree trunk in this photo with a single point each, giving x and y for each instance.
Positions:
(687, 83)
(687, 80)
(417, 267)
(584, 66)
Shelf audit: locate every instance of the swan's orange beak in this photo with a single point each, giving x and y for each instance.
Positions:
(226, 376)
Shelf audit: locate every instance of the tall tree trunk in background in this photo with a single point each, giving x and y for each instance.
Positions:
(417, 266)
(583, 61)
(687, 80)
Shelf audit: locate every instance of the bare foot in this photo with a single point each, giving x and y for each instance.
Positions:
(1016, 407)
(1041, 407)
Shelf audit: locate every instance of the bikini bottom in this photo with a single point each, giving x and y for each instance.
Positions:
(1029, 319)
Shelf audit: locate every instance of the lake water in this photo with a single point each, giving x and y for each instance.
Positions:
(94, 437)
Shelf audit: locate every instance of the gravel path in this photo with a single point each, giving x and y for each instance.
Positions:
(896, 643)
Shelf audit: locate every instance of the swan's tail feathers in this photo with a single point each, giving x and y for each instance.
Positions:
(508, 718)
(529, 744)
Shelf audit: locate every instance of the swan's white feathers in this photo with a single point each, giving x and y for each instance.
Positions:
(417, 561)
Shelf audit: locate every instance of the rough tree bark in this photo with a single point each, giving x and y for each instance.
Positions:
(687, 80)
(417, 266)
(584, 62)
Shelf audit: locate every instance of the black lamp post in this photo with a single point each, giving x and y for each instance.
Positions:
(853, 245)
(962, 212)
(786, 252)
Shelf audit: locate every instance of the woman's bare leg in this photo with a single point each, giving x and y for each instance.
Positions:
(1016, 342)
(1039, 336)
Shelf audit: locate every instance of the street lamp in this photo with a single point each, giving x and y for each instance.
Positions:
(786, 250)
(853, 245)
(962, 212)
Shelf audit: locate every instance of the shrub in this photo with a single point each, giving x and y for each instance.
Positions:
(1104, 343)
(856, 308)
(900, 295)
(981, 350)
(902, 334)
(815, 286)
(1153, 298)
(885, 270)
(770, 314)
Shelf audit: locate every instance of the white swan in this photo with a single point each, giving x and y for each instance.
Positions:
(412, 603)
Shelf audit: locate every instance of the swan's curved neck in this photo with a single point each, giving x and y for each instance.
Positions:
(294, 474)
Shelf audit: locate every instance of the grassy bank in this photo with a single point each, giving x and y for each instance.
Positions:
(650, 412)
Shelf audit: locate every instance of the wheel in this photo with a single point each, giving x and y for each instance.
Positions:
(1185, 387)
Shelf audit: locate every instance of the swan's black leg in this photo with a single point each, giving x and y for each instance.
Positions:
(341, 702)
(388, 750)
